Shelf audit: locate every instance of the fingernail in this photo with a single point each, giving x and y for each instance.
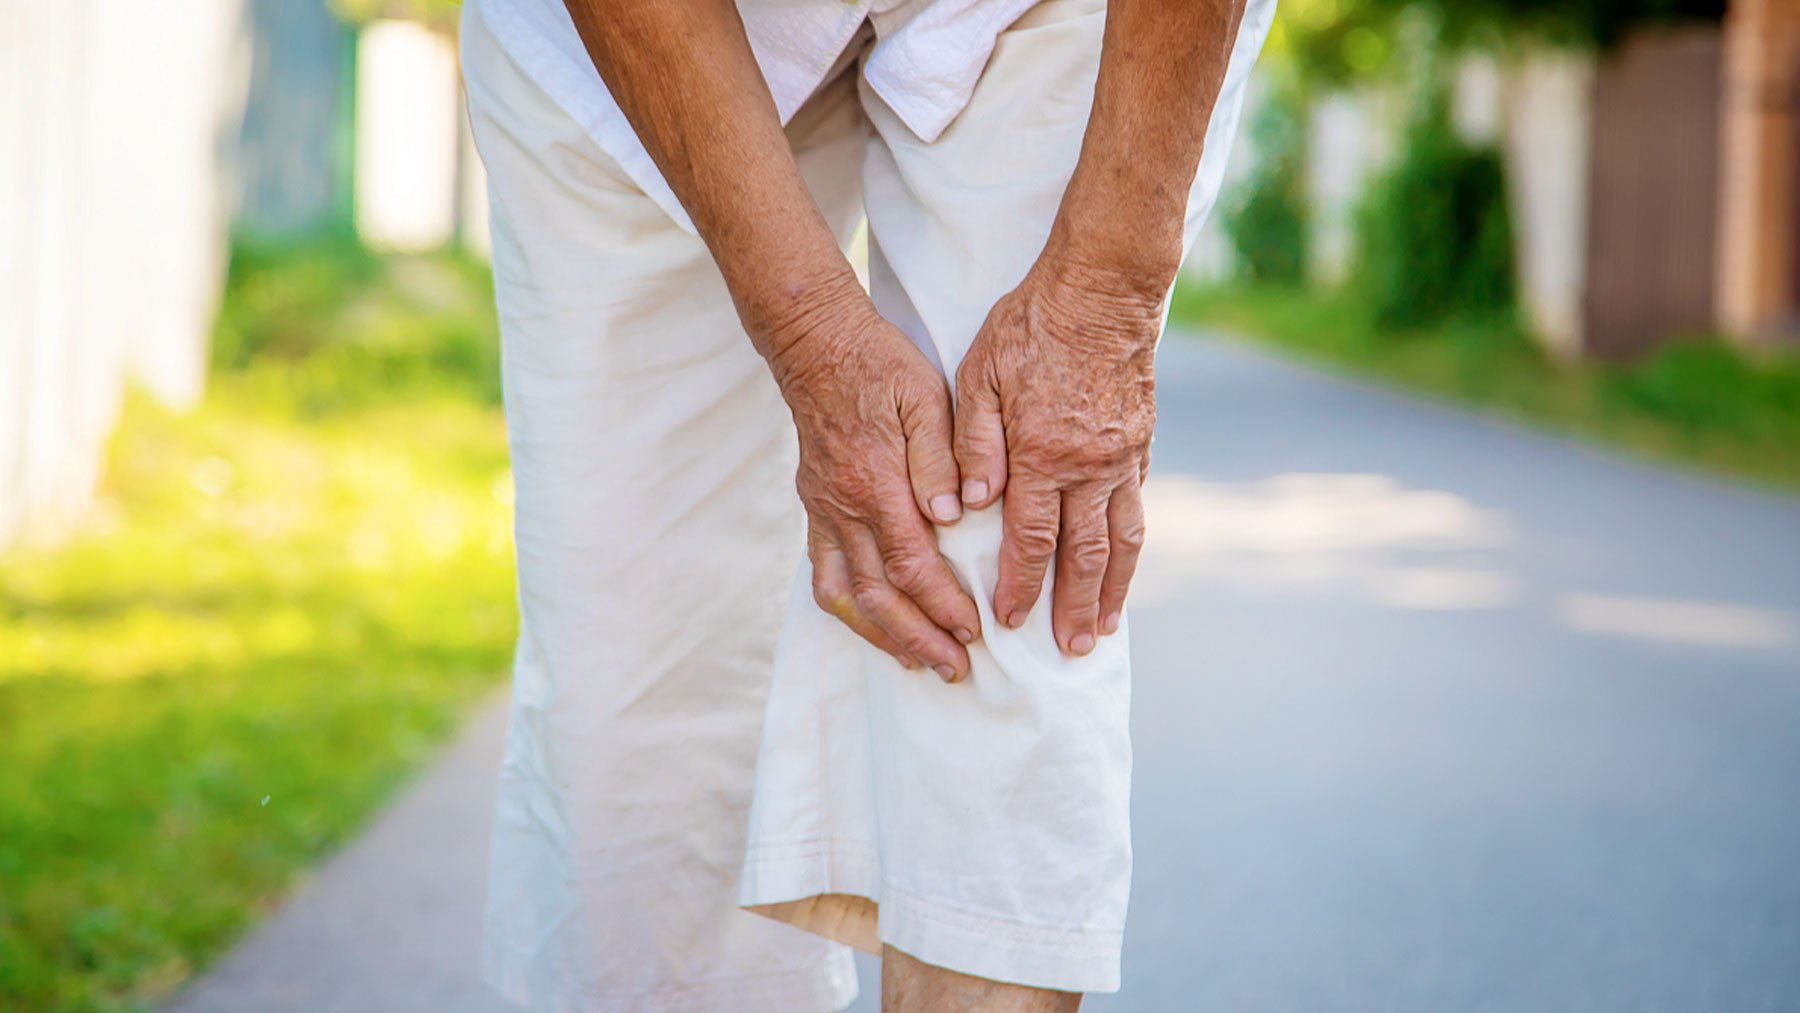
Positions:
(964, 635)
(1015, 619)
(1112, 623)
(909, 663)
(974, 491)
(945, 508)
(948, 673)
(1083, 643)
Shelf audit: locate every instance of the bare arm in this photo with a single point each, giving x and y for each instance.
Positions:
(1161, 67)
(869, 409)
(685, 77)
(1080, 331)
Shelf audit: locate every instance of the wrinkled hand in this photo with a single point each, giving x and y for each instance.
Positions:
(1055, 403)
(873, 417)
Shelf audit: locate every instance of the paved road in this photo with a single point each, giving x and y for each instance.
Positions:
(1434, 714)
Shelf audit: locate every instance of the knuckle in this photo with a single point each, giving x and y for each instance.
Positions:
(907, 571)
(917, 643)
(894, 508)
(936, 472)
(1129, 536)
(930, 398)
(1059, 446)
(971, 450)
(870, 595)
(1086, 558)
(1034, 540)
(807, 488)
(827, 597)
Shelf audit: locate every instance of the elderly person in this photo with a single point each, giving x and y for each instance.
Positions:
(718, 774)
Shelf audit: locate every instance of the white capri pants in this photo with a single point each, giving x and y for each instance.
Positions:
(672, 665)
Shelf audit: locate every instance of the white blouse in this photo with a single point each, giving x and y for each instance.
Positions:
(926, 60)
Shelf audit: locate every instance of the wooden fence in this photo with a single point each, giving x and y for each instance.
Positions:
(1652, 238)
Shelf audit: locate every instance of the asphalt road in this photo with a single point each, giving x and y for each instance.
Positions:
(1433, 714)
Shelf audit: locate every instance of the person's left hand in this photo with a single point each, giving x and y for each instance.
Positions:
(1055, 403)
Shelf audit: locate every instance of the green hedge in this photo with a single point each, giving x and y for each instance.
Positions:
(1267, 220)
(1434, 234)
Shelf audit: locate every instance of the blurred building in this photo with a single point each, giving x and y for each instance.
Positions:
(1759, 252)
(117, 123)
(1695, 206)
(295, 151)
(1655, 187)
(136, 139)
(355, 127)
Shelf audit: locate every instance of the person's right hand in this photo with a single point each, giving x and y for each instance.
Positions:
(873, 417)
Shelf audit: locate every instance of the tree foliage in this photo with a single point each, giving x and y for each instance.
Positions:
(1330, 43)
(438, 14)
(1266, 219)
(1434, 234)
(1584, 22)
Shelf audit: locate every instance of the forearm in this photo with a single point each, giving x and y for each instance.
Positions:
(685, 77)
(1162, 64)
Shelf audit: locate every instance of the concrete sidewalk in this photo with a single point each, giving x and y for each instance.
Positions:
(1433, 713)
(392, 924)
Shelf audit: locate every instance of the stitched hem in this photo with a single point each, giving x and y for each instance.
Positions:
(1001, 949)
(778, 873)
(997, 947)
(826, 988)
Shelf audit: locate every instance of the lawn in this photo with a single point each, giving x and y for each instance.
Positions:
(283, 604)
(1697, 403)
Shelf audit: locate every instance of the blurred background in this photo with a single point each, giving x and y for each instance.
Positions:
(1469, 651)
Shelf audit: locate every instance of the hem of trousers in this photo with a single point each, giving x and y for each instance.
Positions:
(984, 945)
(828, 987)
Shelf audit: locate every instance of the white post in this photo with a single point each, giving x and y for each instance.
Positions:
(1476, 104)
(1353, 137)
(110, 260)
(406, 136)
(1548, 97)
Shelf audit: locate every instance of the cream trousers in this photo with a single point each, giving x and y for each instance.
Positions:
(672, 666)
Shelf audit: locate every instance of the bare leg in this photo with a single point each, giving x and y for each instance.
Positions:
(912, 986)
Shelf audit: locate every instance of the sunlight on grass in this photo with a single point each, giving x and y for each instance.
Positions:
(291, 595)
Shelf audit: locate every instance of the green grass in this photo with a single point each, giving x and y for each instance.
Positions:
(1698, 403)
(284, 602)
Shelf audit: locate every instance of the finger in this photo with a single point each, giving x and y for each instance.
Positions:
(832, 591)
(1029, 517)
(929, 462)
(898, 614)
(1125, 533)
(1081, 551)
(913, 564)
(980, 436)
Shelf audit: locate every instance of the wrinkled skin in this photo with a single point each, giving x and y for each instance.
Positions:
(1055, 398)
(1055, 405)
(871, 412)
